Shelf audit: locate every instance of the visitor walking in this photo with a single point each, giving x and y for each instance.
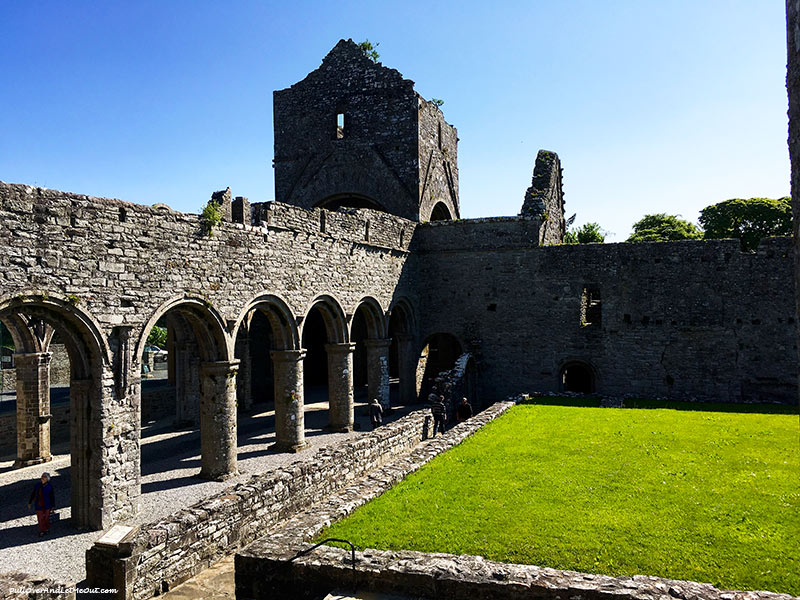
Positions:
(464, 411)
(43, 498)
(439, 412)
(375, 413)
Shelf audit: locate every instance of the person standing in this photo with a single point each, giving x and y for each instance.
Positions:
(439, 412)
(375, 413)
(43, 498)
(464, 410)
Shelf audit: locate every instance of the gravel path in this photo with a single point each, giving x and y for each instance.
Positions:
(170, 461)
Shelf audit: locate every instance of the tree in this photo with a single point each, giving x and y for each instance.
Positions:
(749, 220)
(589, 233)
(664, 228)
(157, 336)
(369, 50)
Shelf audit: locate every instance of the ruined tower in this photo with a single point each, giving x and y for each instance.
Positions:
(354, 133)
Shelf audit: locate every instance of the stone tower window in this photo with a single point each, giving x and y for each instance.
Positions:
(439, 135)
(591, 307)
(339, 126)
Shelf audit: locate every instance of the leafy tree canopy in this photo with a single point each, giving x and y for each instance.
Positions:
(590, 233)
(158, 337)
(664, 228)
(747, 219)
(369, 50)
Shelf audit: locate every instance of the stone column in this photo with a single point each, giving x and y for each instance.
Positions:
(187, 385)
(340, 386)
(33, 408)
(406, 368)
(244, 392)
(218, 419)
(290, 435)
(378, 371)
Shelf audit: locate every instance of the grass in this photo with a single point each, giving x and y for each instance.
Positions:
(704, 496)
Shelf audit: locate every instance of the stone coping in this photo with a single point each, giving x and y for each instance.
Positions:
(270, 569)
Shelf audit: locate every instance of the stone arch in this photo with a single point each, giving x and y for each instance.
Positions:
(204, 375)
(440, 212)
(332, 315)
(93, 504)
(349, 200)
(207, 324)
(374, 317)
(280, 316)
(577, 375)
(328, 360)
(401, 328)
(438, 353)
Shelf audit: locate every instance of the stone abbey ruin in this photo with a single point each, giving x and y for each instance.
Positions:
(360, 273)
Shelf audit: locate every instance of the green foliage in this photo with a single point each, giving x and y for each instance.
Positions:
(73, 299)
(704, 496)
(157, 337)
(211, 217)
(590, 233)
(749, 220)
(437, 101)
(664, 228)
(369, 50)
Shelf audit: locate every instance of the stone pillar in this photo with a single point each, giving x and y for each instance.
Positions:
(378, 371)
(33, 408)
(407, 368)
(290, 435)
(218, 419)
(187, 385)
(86, 491)
(340, 386)
(244, 392)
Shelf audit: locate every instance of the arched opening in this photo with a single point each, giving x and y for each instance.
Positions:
(269, 390)
(402, 355)
(195, 417)
(327, 367)
(370, 354)
(338, 201)
(440, 212)
(577, 377)
(34, 325)
(439, 353)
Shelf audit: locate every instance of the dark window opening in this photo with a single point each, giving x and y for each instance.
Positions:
(123, 215)
(339, 126)
(492, 307)
(348, 201)
(439, 137)
(591, 307)
(440, 212)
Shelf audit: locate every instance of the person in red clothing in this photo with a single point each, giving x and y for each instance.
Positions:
(43, 498)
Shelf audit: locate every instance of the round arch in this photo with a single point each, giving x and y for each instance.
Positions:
(374, 317)
(281, 319)
(206, 322)
(401, 317)
(577, 376)
(332, 315)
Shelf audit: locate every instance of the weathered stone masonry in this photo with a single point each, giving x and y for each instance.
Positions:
(685, 320)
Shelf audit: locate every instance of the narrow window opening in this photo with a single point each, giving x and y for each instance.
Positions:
(402, 236)
(73, 220)
(591, 307)
(439, 136)
(339, 126)
(322, 221)
(366, 231)
(123, 215)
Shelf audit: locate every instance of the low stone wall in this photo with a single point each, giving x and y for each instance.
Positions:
(270, 568)
(28, 587)
(163, 554)
(59, 427)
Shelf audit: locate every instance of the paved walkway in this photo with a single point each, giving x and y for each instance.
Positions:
(170, 461)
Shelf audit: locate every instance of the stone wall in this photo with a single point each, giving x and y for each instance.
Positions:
(438, 162)
(59, 427)
(545, 198)
(163, 554)
(373, 157)
(793, 89)
(682, 320)
(59, 369)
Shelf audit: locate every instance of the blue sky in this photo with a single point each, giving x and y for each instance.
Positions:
(652, 106)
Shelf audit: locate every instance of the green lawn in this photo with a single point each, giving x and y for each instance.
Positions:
(705, 496)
